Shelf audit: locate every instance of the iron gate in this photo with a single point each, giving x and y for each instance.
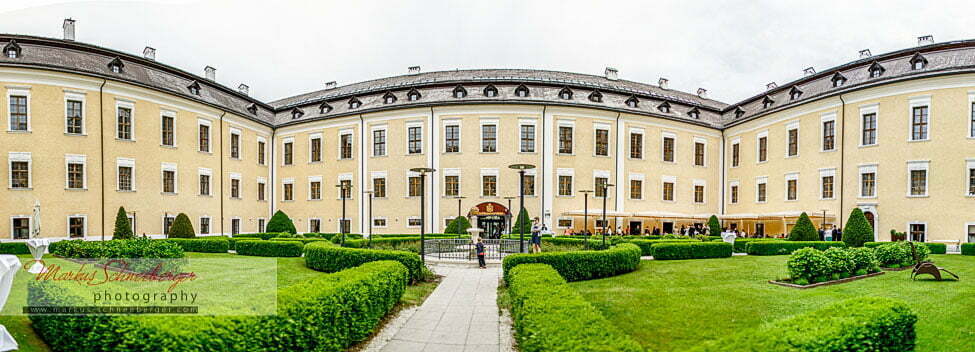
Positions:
(463, 249)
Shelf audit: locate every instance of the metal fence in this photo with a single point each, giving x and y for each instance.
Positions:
(464, 249)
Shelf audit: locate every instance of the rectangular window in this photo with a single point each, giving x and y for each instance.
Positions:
(76, 227)
(124, 178)
(699, 154)
(235, 188)
(565, 185)
(600, 185)
(489, 138)
(829, 135)
(235, 146)
(668, 191)
(289, 153)
(21, 228)
(346, 149)
(316, 150)
(345, 191)
(289, 191)
(379, 143)
(414, 222)
(205, 138)
(315, 190)
(636, 189)
(918, 232)
(636, 145)
(565, 140)
(735, 155)
(868, 185)
(379, 222)
(204, 185)
(452, 185)
(698, 194)
(168, 223)
(565, 223)
(415, 136)
(260, 152)
(314, 225)
(73, 117)
(76, 175)
(234, 226)
(18, 113)
(971, 132)
(792, 189)
(452, 139)
(527, 138)
(415, 185)
(971, 181)
(602, 142)
(529, 185)
(919, 123)
(793, 142)
(734, 194)
(827, 187)
(260, 191)
(124, 124)
(669, 149)
(762, 149)
(204, 226)
(169, 181)
(489, 186)
(761, 192)
(379, 187)
(168, 131)
(919, 182)
(869, 129)
(19, 174)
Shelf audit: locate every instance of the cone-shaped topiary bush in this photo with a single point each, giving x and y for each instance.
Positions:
(182, 227)
(804, 230)
(857, 229)
(714, 226)
(123, 229)
(523, 224)
(458, 226)
(280, 222)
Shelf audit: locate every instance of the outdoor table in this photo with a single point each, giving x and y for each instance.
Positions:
(9, 266)
(37, 248)
(728, 237)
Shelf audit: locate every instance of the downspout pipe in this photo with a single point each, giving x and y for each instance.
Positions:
(101, 146)
(839, 216)
(222, 185)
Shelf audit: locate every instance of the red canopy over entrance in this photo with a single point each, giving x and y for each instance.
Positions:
(488, 209)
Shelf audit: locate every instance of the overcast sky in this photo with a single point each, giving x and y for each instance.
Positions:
(282, 48)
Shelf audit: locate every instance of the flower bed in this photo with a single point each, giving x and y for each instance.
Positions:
(581, 265)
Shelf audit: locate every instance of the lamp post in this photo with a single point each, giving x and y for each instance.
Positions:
(343, 187)
(369, 242)
(509, 198)
(521, 193)
(423, 171)
(459, 199)
(585, 211)
(605, 195)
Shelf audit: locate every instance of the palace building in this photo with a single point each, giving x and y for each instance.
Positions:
(90, 129)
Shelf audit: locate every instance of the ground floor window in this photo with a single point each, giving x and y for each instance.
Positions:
(204, 226)
(345, 225)
(971, 233)
(381, 222)
(76, 226)
(234, 226)
(414, 222)
(918, 232)
(260, 225)
(314, 225)
(565, 223)
(21, 228)
(600, 223)
(168, 224)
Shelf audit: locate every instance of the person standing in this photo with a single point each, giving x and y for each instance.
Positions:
(480, 253)
(536, 241)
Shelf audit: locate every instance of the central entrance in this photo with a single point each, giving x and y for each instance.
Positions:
(491, 217)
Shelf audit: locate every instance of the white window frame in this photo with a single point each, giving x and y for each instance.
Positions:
(125, 162)
(460, 134)
(209, 124)
(703, 141)
(967, 224)
(558, 135)
(969, 166)
(571, 223)
(321, 187)
(209, 225)
(731, 151)
(866, 169)
(794, 125)
(408, 219)
(824, 118)
(602, 174)
(240, 143)
(919, 101)
(77, 96)
(731, 185)
(827, 172)
(971, 114)
(19, 91)
(789, 176)
(497, 182)
(760, 180)
(866, 110)
(643, 134)
(383, 218)
(18, 157)
(412, 124)
(643, 185)
(240, 185)
(288, 181)
(240, 225)
(497, 135)
(534, 175)
(917, 222)
(599, 126)
(75, 159)
(128, 105)
(261, 139)
(162, 184)
(758, 147)
(914, 165)
(285, 141)
(671, 179)
(262, 182)
(84, 224)
(528, 122)
(319, 225)
(29, 225)
(343, 132)
(449, 172)
(205, 172)
(171, 114)
(163, 223)
(565, 172)
(373, 175)
(321, 148)
(338, 190)
(704, 194)
(663, 150)
(372, 140)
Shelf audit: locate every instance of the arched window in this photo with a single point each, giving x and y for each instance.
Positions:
(389, 98)
(297, 113)
(521, 91)
(460, 92)
(413, 95)
(324, 108)
(565, 93)
(490, 91)
(633, 102)
(354, 103)
(596, 96)
(664, 107)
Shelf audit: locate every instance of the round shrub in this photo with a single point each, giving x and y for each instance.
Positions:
(458, 226)
(280, 222)
(804, 230)
(864, 259)
(270, 248)
(890, 254)
(841, 261)
(182, 227)
(809, 264)
(714, 226)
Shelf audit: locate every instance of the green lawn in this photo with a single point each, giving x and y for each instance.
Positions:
(290, 271)
(672, 305)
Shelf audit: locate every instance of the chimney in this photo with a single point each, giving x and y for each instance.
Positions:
(414, 70)
(865, 53)
(925, 40)
(808, 71)
(330, 85)
(243, 89)
(771, 86)
(211, 73)
(703, 93)
(611, 74)
(68, 27)
(662, 82)
(149, 53)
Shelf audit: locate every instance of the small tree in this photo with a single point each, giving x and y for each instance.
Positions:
(123, 228)
(714, 226)
(804, 230)
(182, 227)
(280, 222)
(858, 230)
(523, 224)
(458, 226)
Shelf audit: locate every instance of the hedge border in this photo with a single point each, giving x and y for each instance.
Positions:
(270, 248)
(698, 250)
(968, 249)
(201, 245)
(787, 247)
(581, 265)
(936, 248)
(327, 257)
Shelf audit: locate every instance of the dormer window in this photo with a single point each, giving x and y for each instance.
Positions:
(918, 62)
(194, 88)
(413, 95)
(354, 103)
(876, 70)
(11, 50)
(324, 108)
(694, 114)
(664, 107)
(490, 91)
(739, 112)
(633, 102)
(116, 65)
(521, 91)
(460, 92)
(596, 97)
(795, 93)
(252, 109)
(297, 113)
(838, 80)
(389, 98)
(565, 94)
(767, 102)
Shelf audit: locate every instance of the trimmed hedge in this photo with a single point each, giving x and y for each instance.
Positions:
(741, 244)
(135, 248)
(325, 313)
(270, 248)
(551, 316)
(859, 324)
(898, 254)
(263, 236)
(327, 257)
(581, 265)
(787, 247)
(936, 248)
(646, 246)
(695, 250)
(302, 240)
(202, 245)
(14, 248)
(968, 249)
